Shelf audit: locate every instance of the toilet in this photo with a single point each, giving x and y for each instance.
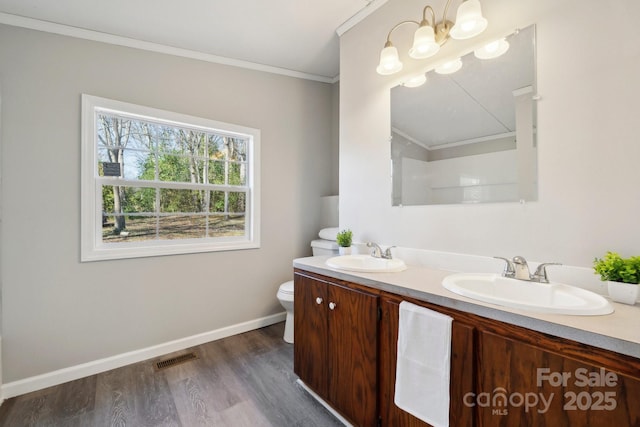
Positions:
(319, 247)
(285, 296)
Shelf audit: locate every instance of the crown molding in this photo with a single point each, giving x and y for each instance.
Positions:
(362, 14)
(81, 33)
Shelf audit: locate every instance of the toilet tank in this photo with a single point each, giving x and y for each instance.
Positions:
(324, 247)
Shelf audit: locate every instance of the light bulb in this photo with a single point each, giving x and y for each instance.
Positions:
(492, 50)
(469, 21)
(415, 81)
(389, 61)
(449, 67)
(424, 43)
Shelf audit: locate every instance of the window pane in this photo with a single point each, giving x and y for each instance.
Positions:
(108, 164)
(237, 202)
(216, 147)
(140, 137)
(183, 141)
(216, 172)
(226, 225)
(237, 149)
(135, 164)
(228, 201)
(165, 138)
(129, 199)
(138, 228)
(237, 174)
(172, 200)
(112, 131)
(107, 200)
(182, 227)
(140, 200)
(105, 155)
(180, 169)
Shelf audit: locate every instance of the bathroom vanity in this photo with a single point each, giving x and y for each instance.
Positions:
(508, 367)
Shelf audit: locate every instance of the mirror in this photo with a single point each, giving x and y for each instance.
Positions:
(468, 137)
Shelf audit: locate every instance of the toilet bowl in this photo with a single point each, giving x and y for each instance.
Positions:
(285, 296)
(319, 247)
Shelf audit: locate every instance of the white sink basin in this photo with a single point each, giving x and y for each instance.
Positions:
(366, 264)
(539, 297)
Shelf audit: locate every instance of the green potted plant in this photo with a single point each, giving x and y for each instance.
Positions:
(621, 274)
(344, 239)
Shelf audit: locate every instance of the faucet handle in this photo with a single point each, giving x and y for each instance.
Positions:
(387, 253)
(377, 251)
(509, 269)
(540, 274)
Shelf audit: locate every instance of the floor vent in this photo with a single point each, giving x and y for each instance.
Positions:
(164, 364)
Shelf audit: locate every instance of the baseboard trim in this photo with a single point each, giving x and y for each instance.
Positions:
(328, 407)
(60, 376)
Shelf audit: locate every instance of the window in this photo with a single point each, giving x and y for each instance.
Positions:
(157, 183)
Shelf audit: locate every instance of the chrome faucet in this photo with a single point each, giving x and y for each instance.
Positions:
(509, 269)
(541, 272)
(521, 268)
(377, 251)
(517, 268)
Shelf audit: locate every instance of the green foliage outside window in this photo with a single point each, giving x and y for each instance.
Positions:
(149, 152)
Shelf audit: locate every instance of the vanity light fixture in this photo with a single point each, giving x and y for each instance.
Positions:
(415, 81)
(449, 67)
(492, 50)
(430, 34)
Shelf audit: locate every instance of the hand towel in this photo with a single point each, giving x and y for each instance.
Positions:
(424, 364)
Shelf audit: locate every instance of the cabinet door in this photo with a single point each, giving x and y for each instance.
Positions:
(353, 331)
(310, 333)
(462, 371)
(529, 385)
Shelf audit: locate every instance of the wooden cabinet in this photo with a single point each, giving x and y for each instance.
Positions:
(528, 379)
(310, 333)
(335, 350)
(501, 374)
(462, 369)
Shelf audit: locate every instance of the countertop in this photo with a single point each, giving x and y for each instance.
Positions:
(618, 331)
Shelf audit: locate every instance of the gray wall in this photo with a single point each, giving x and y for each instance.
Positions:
(58, 312)
(335, 139)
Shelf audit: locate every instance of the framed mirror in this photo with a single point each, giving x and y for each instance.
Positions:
(468, 136)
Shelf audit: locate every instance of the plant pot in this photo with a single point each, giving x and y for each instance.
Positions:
(344, 250)
(626, 293)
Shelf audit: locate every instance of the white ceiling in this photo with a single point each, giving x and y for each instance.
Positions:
(295, 35)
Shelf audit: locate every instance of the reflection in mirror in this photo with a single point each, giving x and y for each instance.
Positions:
(468, 137)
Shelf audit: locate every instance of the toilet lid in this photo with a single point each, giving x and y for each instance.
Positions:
(287, 287)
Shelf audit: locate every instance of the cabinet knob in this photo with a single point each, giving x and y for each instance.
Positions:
(318, 300)
(332, 305)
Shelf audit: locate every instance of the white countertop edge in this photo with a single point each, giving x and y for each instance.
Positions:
(598, 331)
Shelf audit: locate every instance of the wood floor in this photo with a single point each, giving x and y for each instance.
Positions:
(244, 380)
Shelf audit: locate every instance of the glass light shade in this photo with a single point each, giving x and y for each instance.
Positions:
(469, 21)
(424, 43)
(415, 81)
(389, 61)
(449, 67)
(492, 50)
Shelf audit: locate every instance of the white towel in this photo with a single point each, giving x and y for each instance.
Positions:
(424, 364)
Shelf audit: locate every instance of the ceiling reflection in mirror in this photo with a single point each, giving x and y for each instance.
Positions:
(469, 136)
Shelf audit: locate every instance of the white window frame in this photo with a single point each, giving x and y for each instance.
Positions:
(92, 246)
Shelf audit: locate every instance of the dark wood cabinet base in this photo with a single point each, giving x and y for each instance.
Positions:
(501, 374)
